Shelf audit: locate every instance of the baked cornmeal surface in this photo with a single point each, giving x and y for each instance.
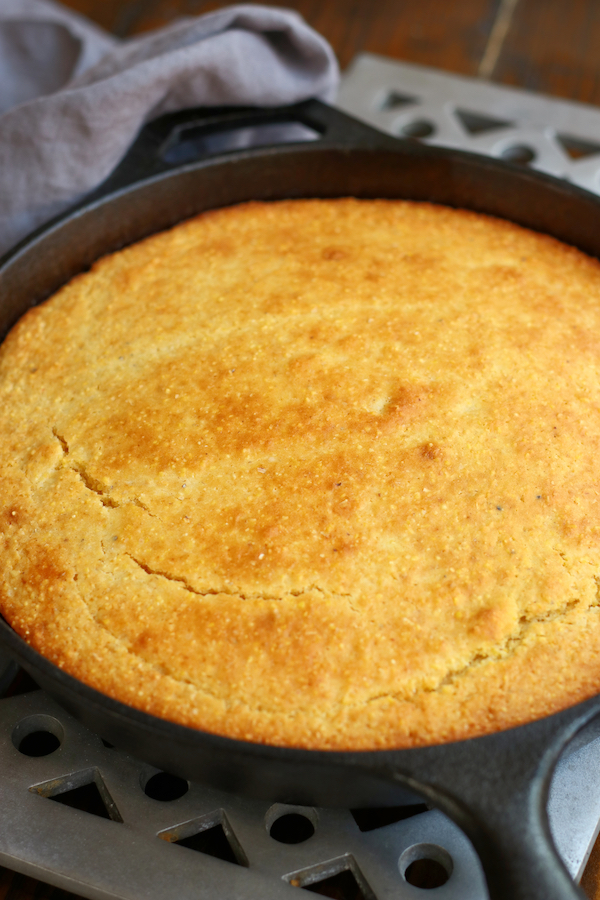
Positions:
(313, 473)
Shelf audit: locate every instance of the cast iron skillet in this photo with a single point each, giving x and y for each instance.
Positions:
(495, 787)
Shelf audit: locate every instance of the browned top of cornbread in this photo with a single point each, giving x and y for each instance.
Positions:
(313, 473)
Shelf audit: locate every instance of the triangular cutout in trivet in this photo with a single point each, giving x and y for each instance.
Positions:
(395, 100)
(342, 886)
(85, 791)
(212, 841)
(577, 148)
(340, 878)
(210, 834)
(370, 819)
(477, 123)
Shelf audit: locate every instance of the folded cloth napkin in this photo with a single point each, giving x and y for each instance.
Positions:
(72, 97)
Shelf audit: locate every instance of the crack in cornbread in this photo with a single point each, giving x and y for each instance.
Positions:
(313, 473)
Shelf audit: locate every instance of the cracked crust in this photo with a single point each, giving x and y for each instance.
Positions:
(313, 473)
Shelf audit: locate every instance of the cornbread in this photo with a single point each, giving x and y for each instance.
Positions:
(313, 473)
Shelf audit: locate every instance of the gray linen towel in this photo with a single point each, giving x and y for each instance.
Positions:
(72, 97)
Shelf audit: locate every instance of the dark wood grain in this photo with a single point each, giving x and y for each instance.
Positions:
(590, 882)
(14, 886)
(117, 16)
(426, 32)
(551, 46)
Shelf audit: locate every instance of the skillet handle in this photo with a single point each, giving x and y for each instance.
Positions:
(511, 835)
(496, 789)
(187, 137)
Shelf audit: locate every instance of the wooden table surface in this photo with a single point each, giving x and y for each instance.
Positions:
(550, 46)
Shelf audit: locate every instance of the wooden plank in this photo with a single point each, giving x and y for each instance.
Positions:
(450, 36)
(113, 15)
(590, 881)
(552, 47)
(14, 886)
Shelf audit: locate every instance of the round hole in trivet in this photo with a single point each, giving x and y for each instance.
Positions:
(165, 787)
(426, 866)
(419, 128)
(519, 153)
(38, 735)
(292, 828)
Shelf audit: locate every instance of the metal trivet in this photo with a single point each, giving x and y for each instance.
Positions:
(559, 137)
(90, 819)
(116, 832)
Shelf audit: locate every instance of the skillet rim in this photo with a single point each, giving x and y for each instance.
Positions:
(35, 661)
(513, 838)
(340, 132)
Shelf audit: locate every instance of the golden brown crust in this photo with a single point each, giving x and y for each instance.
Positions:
(314, 473)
